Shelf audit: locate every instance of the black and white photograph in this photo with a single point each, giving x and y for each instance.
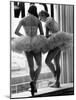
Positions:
(41, 49)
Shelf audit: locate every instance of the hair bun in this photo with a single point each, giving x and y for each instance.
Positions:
(44, 13)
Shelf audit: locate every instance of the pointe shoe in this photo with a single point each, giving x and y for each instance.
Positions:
(33, 85)
(56, 85)
(33, 88)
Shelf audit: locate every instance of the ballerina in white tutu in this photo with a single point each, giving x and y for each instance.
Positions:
(57, 41)
(29, 43)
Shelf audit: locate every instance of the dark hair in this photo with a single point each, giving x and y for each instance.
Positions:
(33, 10)
(44, 13)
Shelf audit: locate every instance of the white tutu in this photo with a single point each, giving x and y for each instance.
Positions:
(39, 43)
(36, 44)
(62, 40)
(19, 44)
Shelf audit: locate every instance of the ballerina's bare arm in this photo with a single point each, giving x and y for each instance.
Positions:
(41, 29)
(47, 32)
(18, 28)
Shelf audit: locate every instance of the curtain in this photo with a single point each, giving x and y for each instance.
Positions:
(64, 15)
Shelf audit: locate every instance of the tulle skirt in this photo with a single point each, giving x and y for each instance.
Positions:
(25, 43)
(40, 43)
(63, 40)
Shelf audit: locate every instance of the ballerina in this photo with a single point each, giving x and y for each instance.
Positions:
(31, 23)
(57, 41)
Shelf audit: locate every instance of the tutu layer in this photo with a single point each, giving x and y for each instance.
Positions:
(20, 44)
(39, 43)
(36, 44)
(61, 39)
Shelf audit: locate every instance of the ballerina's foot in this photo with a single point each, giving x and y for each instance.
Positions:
(56, 85)
(32, 93)
(33, 88)
(50, 83)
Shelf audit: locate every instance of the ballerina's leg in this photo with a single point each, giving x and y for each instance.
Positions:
(50, 57)
(29, 57)
(38, 59)
(56, 60)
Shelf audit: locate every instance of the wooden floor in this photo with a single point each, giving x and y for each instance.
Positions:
(65, 89)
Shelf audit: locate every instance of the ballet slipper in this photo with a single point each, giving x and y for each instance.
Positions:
(33, 88)
(56, 85)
